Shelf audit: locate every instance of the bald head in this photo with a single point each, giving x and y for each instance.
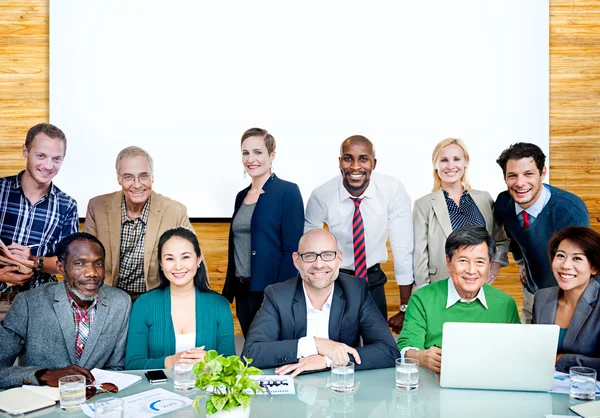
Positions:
(317, 238)
(357, 139)
(321, 268)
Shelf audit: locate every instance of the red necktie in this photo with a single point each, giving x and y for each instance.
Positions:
(526, 223)
(358, 239)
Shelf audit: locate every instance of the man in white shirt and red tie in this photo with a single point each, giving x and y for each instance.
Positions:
(362, 208)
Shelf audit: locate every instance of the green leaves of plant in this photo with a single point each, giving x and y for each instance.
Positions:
(228, 377)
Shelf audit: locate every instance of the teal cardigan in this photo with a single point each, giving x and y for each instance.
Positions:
(151, 336)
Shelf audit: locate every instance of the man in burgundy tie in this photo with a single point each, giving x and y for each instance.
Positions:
(66, 328)
(531, 212)
(362, 208)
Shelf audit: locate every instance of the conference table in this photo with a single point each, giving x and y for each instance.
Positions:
(374, 396)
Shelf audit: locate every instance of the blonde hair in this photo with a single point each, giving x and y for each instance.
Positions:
(437, 181)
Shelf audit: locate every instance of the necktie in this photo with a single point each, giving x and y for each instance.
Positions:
(82, 335)
(526, 222)
(358, 239)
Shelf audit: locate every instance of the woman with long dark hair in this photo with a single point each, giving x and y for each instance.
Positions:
(183, 318)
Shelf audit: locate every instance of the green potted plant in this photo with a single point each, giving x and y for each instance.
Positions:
(227, 378)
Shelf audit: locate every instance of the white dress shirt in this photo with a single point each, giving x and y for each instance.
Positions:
(317, 325)
(386, 211)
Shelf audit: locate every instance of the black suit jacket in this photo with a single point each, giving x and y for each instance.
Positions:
(281, 321)
(581, 345)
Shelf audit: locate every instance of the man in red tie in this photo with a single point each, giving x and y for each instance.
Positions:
(531, 212)
(362, 208)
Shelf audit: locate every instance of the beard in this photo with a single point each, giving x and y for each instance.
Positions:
(80, 295)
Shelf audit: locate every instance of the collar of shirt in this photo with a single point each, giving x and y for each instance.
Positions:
(143, 218)
(446, 194)
(535, 209)
(17, 185)
(78, 308)
(317, 321)
(369, 193)
(454, 297)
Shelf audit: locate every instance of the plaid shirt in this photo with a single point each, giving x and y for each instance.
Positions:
(131, 266)
(39, 226)
(85, 316)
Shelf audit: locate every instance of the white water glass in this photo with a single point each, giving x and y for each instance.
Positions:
(583, 383)
(109, 408)
(183, 376)
(72, 392)
(407, 373)
(342, 377)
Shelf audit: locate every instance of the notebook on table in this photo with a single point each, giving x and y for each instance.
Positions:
(498, 356)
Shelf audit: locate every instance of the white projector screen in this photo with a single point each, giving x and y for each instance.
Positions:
(184, 80)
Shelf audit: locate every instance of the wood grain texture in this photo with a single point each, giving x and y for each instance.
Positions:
(574, 111)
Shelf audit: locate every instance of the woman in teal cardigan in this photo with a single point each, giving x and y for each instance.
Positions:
(183, 318)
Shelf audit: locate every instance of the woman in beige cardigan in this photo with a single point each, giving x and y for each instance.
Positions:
(452, 204)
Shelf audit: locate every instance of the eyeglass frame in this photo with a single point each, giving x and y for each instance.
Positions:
(317, 255)
(106, 387)
(134, 178)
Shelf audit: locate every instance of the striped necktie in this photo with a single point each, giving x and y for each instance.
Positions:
(358, 239)
(82, 335)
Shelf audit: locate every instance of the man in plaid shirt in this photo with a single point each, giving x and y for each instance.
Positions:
(35, 214)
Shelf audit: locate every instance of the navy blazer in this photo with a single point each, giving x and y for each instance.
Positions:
(272, 340)
(277, 225)
(582, 340)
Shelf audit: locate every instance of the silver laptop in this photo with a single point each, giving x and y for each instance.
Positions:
(498, 356)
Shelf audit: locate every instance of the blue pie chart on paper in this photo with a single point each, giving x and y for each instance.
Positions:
(164, 405)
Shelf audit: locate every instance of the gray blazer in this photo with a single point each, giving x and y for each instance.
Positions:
(431, 225)
(581, 344)
(39, 330)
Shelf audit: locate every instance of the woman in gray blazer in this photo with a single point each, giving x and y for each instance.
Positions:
(453, 204)
(573, 304)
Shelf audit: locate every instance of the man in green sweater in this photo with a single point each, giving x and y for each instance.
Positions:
(464, 297)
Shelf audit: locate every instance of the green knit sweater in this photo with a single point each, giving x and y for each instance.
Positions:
(151, 336)
(427, 313)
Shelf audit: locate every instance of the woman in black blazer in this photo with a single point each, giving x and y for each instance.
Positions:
(573, 304)
(267, 223)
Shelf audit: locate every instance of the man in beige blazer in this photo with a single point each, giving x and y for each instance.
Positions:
(431, 225)
(130, 222)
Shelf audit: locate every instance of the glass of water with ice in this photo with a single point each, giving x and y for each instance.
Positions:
(183, 376)
(407, 373)
(72, 392)
(342, 377)
(583, 383)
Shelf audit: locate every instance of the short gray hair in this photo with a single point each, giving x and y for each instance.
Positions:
(470, 236)
(134, 151)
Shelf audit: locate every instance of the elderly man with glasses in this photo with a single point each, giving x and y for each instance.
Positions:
(130, 221)
(318, 317)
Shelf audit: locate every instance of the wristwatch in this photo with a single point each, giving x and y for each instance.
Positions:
(40, 263)
(403, 308)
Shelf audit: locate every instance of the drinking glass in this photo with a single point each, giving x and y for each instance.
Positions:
(342, 377)
(72, 392)
(183, 377)
(109, 408)
(407, 373)
(583, 383)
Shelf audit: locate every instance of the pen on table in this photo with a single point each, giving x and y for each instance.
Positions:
(34, 245)
(266, 386)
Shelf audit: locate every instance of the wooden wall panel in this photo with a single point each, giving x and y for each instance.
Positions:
(574, 110)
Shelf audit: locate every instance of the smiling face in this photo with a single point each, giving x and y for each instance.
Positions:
(320, 274)
(44, 158)
(179, 262)
(135, 177)
(83, 271)
(524, 181)
(469, 269)
(256, 159)
(357, 161)
(450, 164)
(571, 267)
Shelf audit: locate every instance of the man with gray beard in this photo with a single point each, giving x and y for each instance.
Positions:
(66, 328)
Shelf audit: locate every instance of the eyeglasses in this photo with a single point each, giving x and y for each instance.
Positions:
(91, 390)
(130, 178)
(312, 257)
